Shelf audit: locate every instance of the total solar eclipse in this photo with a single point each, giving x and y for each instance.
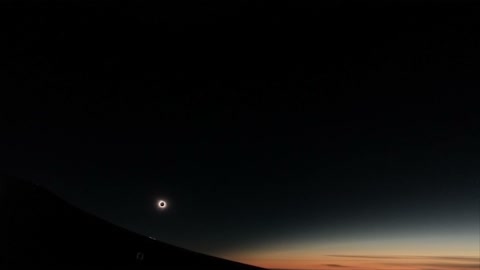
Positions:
(162, 204)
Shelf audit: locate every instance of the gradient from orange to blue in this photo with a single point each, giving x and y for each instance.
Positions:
(450, 248)
(322, 259)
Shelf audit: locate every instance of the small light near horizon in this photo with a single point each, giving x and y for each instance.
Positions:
(162, 204)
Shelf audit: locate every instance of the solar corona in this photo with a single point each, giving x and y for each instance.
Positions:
(162, 204)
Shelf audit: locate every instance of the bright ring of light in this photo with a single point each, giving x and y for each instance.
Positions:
(162, 204)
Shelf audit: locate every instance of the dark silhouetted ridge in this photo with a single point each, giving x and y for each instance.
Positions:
(40, 228)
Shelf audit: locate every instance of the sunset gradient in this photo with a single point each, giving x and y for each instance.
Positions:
(429, 252)
(326, 262)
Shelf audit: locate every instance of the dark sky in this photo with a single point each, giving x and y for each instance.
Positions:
(261, 124)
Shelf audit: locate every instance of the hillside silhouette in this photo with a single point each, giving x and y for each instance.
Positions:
(39, 228)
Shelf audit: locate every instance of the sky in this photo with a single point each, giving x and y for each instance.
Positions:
(337, 137)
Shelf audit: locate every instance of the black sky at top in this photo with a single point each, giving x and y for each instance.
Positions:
(254, 119)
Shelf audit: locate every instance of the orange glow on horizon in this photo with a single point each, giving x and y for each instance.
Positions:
(426, 252)
(329, 262)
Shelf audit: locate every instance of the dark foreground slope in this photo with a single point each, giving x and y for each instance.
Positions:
(39, 228)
